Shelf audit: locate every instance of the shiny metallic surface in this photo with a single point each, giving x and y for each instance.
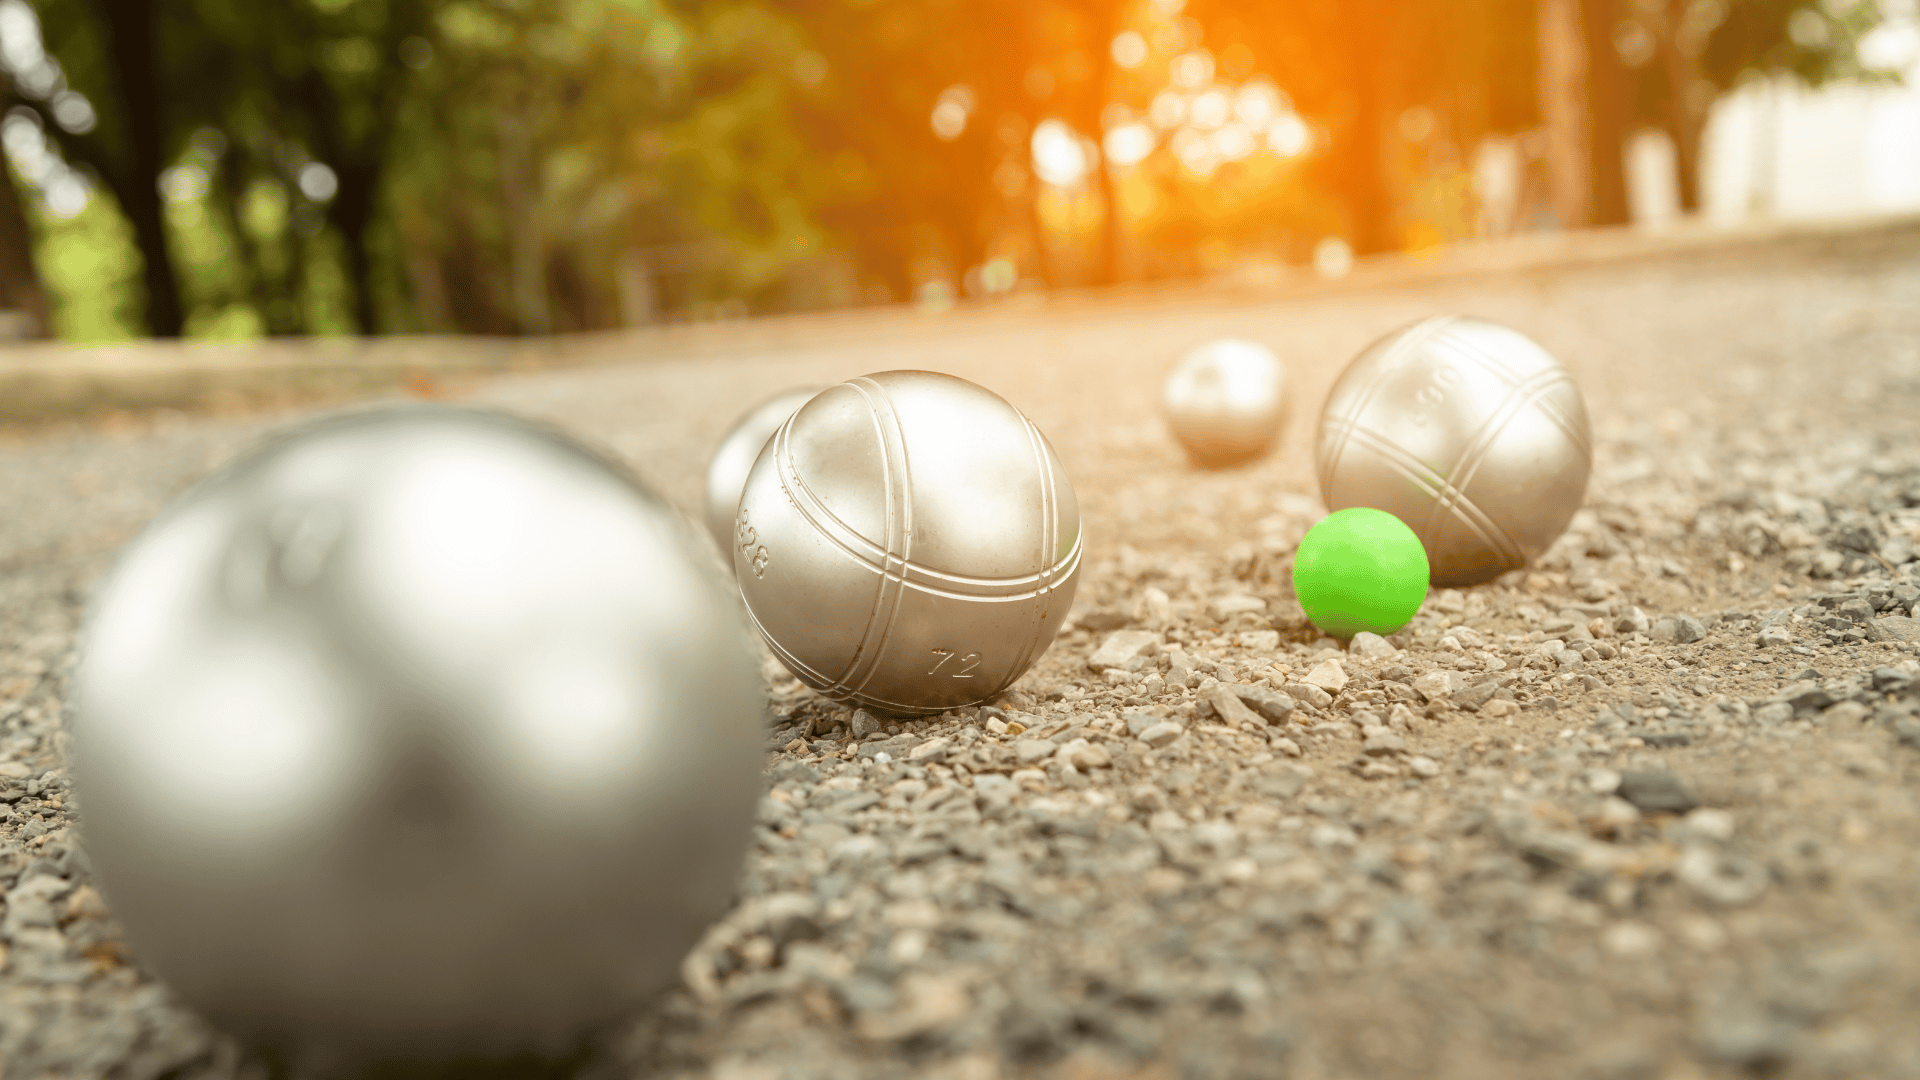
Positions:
(908, 542)
(415, 732)
(1225, 402)
(1466, 430)
(734, 457)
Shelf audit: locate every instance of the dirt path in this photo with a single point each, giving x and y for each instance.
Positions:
(1435, 887)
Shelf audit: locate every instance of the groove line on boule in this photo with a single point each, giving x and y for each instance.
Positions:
(1474, 453)
(1423, 476)
(893, 440)
(1418, 334)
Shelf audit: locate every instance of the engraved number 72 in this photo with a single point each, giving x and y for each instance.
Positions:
(971, 660)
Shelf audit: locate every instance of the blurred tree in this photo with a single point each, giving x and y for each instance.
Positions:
(110, 52)
(20, 290)
(1608, 101)
(1690, 52)
(1360, 65)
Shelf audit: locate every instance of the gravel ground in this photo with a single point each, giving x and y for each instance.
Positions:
(1645, 810)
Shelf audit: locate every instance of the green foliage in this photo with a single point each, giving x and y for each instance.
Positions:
(509, 166)
(91, 269)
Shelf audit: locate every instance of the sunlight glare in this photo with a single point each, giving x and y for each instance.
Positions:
(1129, 144)
(1191, 71)
(1210, 110)
(1289, 136)
(1058, 155)
(1129, 49)
(1169, 109)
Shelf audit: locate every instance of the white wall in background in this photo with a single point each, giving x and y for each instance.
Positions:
(1653, 191)
(1777, 150)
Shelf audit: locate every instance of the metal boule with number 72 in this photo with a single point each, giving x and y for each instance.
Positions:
(908, 542)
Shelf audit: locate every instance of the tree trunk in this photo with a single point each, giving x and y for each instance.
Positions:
(131, 42)
(1361, 172)
(21, 294)
(1606, 96)
(1563, 71)
(1683, 125)
(523, 227)
(352, 214)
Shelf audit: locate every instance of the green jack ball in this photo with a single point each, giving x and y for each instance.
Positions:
(1360, 569)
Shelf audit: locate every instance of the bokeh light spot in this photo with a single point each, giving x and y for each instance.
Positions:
(1289, 136)
(1129, 144)
(1129, 49)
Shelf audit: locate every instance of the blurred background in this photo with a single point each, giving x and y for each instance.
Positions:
(227, 169)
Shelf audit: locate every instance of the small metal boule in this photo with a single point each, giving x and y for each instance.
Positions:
(416, 733)
(908, 542)
(1466, 430)
(1225, 402)
(734, 457)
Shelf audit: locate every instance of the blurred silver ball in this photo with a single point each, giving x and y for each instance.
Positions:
(1467, 431)
(1225, 402)
(908, 542)
(734, 458)
(416, 732)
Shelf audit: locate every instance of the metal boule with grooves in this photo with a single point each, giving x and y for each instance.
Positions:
(414, 733)
(1466, 430)
(734, 457)
(908, 542)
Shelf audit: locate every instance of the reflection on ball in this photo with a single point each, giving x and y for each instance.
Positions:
(416, 732)
(1360, 569)
(727, 471)
(909, 542)
(1225, 402)
(1470, 433)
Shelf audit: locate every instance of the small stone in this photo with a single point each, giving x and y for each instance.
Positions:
(1155, 607)
(1772, 713)
(1121, 647)
(1631, 940)
(1372, 646)
(1664, 630)
(1602, 781)
(1232, 712)
(1379, 770)
(1435, 685)
(931, 752)
(1283, 745)
(1423, 767)
(996, 725)
(1633, 622)
(1893, 628)
(1309, 694)
(1029, 751)
(1275, 706)
(1617, 813)
(1138, 722)
(1226, 607)
(1657, 792)
(864, 724)
(1845, 715)
(1777, 634)
(1030, 779)
(1473, 697)
(1161, 734)
(1084, 755)
(1708, 823)
(1382, 742)
(1260, 641)
(1721, 877)
(1499, 707)
(1328, 675)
